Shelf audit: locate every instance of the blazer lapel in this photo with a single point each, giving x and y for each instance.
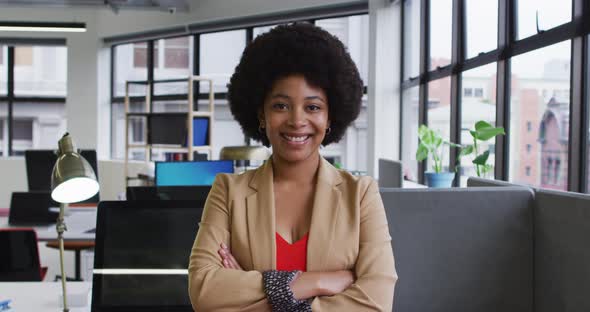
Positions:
(261, 219)
(326, 205)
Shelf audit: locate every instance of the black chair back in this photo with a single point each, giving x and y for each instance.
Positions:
(20, 256)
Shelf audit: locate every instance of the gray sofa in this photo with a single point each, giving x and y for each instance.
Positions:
(489, 249)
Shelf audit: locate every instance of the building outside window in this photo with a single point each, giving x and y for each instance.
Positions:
(38, 101)
(544, 68)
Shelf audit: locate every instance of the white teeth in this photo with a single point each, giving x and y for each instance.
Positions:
(296, 139)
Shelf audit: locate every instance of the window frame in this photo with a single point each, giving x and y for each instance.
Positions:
(577, 30)
(10, 98)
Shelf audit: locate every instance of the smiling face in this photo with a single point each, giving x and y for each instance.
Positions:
(296, 118)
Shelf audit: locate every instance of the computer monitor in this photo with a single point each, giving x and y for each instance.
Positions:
(39, 164)
(141, 255)
(185, 173)
(390, 173)
(31, 208)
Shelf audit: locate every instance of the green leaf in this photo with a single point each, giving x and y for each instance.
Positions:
(422, 131)
(437, 141)
(480, 125)
(466, 150)
(488, 133)
(473, 134)
(481, 159)
(421, 153)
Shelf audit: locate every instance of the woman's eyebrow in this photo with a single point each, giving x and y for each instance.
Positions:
(284, 96)
(315, 97)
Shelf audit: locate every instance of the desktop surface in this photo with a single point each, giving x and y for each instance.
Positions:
(42, 296)
(191, 173)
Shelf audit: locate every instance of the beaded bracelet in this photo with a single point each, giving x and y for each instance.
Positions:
(279, 294)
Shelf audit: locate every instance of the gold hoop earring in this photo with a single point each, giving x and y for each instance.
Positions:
(328, 130)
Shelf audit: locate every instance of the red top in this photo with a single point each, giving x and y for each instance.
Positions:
(291, 257)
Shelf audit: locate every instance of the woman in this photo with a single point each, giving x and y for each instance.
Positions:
(295, 234)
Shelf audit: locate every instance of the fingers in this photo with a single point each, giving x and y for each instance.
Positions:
(227, 259)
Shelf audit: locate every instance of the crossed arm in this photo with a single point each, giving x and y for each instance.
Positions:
(307, 284)
(217, 282)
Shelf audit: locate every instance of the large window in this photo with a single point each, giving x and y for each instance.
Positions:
(411, 35)
(40, 71)
(439, 113)
(36, 97)
(3, 70)
(218, 62)
(129, 64)
(352, 31)
(440, 32)
(544, 14)
(478, 102)
(410, 123)
(540, 96)
(512, 77)
(482, 26)
(3, 132)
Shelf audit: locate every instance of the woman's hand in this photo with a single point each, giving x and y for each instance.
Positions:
(228, 260)
(312, 284)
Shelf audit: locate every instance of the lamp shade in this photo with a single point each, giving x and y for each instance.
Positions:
(72, 179)
(244, 153)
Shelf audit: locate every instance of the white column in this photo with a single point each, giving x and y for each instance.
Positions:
(384, 82)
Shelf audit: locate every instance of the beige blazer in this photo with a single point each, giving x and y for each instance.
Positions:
(348, 231)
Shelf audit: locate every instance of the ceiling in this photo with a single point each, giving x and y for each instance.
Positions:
(170, 6)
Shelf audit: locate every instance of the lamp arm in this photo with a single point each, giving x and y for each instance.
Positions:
(61, 228)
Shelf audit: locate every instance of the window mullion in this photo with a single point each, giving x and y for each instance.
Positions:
(457, 57)
(506, 35)
(578, 124)
(10, 94)
(424, 65)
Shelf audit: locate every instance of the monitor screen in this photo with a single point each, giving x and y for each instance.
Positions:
(183, 173)
(39, 164)
(141, 254)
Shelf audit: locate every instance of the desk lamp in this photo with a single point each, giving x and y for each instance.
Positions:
(72, 180)
(243, 154)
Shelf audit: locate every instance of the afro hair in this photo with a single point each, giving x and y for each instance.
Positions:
(302, 49)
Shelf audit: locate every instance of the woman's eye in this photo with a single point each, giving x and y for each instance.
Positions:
(313, 107)
(280, 106)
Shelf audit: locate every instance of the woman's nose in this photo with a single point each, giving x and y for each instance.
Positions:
(297, 117)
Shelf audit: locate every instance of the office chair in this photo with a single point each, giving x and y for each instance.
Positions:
(20, 261)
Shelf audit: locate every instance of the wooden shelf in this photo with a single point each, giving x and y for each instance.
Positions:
(189, 114)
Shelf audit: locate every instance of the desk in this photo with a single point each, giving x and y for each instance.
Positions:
(78, 221)
(41, 297)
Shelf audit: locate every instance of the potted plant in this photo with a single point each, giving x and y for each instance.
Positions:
(484, 131)
(431, 144)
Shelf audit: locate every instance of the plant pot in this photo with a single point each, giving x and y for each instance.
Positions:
(439, 180)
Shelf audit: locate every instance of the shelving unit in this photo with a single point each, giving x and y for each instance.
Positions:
(191, 114)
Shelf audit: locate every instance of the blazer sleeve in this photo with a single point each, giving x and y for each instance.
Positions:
(211, 286)
(375, 268)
